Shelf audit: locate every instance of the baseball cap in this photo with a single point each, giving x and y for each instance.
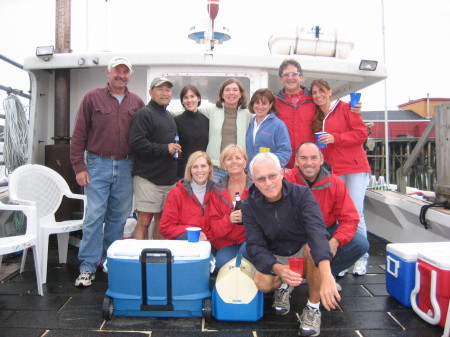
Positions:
(119, 60)
(158, 81)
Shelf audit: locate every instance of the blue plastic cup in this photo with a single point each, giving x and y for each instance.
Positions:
(355, 97)
(193, 234)
(321, 145)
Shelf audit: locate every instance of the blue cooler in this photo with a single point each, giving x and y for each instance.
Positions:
(157, 278)
(401, 261)
(235, 296)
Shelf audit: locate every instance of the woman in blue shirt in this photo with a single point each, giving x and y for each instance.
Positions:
(266, 132)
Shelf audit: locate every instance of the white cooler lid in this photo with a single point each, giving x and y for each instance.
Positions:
(410, 251)
(438, 257)
(180, 249)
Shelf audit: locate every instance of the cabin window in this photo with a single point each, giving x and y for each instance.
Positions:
(207, 85)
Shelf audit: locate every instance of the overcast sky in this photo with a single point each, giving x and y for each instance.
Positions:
(417, 34)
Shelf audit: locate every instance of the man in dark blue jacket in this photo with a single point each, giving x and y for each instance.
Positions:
(281, 220)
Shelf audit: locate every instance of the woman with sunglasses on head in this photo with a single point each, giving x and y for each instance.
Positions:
(345, 136)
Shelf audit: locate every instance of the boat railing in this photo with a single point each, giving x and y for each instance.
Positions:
(10, 90)
(440, 123)
(403, 171)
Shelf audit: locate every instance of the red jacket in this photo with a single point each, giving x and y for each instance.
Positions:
(347, 154)
(334, 201)
(298, 119)
(183, 209)
(223, 232)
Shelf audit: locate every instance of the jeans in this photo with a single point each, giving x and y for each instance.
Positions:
(349, 253)
(356, 185)
(225, 254)
(109, 201)
(219, 174)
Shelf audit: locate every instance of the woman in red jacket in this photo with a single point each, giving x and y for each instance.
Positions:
(188, 203)
(345, 135)
(227, 232)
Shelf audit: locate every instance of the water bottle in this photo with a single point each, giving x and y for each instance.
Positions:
(176, 155)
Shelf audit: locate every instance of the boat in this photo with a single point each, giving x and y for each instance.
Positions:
(70, 309)
(399, 213)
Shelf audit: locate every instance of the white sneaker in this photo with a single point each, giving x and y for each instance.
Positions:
(105, 266)
(342, 273)
(360, 267)
(309, 322)
(85, 279)
(281, 305)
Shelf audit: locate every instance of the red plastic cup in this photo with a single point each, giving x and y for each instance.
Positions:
(296, 264)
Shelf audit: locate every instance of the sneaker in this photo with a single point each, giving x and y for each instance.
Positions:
(360, 267)
(85, 279)
(105, 266)
(310, 322)
(281, 304)
(342, 273)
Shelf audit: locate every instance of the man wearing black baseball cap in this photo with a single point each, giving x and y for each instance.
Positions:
(152, 138)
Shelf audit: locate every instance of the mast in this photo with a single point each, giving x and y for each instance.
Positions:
(386, 126)
(62, 76)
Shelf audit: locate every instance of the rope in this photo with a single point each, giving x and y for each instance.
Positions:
(424, 209)
(15, 150)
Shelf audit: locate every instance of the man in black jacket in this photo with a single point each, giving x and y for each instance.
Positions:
(281, 220)
(152, 138)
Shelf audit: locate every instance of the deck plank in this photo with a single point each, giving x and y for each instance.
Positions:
(366, 308)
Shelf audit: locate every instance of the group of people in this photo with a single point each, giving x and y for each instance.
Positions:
(298, 199)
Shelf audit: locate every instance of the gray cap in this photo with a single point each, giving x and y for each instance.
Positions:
(159, 81)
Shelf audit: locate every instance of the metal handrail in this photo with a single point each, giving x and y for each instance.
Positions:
(402, 172)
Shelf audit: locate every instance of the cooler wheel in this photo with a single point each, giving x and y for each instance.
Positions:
(207, 308)
(108, 308)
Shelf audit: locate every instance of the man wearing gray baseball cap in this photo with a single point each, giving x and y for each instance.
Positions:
(152, 138)
(101, 136)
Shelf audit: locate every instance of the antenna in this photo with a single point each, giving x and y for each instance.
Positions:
(210, 35)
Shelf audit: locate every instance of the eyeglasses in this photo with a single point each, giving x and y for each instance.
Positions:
(271, 177)
(287, 75)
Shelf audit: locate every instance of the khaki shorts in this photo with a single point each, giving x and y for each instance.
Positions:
(283, 259)
(149, 197)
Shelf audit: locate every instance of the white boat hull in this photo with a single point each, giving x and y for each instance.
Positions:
(395, 218)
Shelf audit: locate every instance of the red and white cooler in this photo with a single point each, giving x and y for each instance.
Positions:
(430, 297)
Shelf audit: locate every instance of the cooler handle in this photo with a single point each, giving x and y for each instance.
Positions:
(447, 323)
(144, 260)
(434, 302)
(391, 261)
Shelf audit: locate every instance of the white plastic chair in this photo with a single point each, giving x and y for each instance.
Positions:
(12, 244)
(46, 187)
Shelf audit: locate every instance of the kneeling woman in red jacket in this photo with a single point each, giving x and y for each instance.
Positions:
(188, 203)
(227, 232)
